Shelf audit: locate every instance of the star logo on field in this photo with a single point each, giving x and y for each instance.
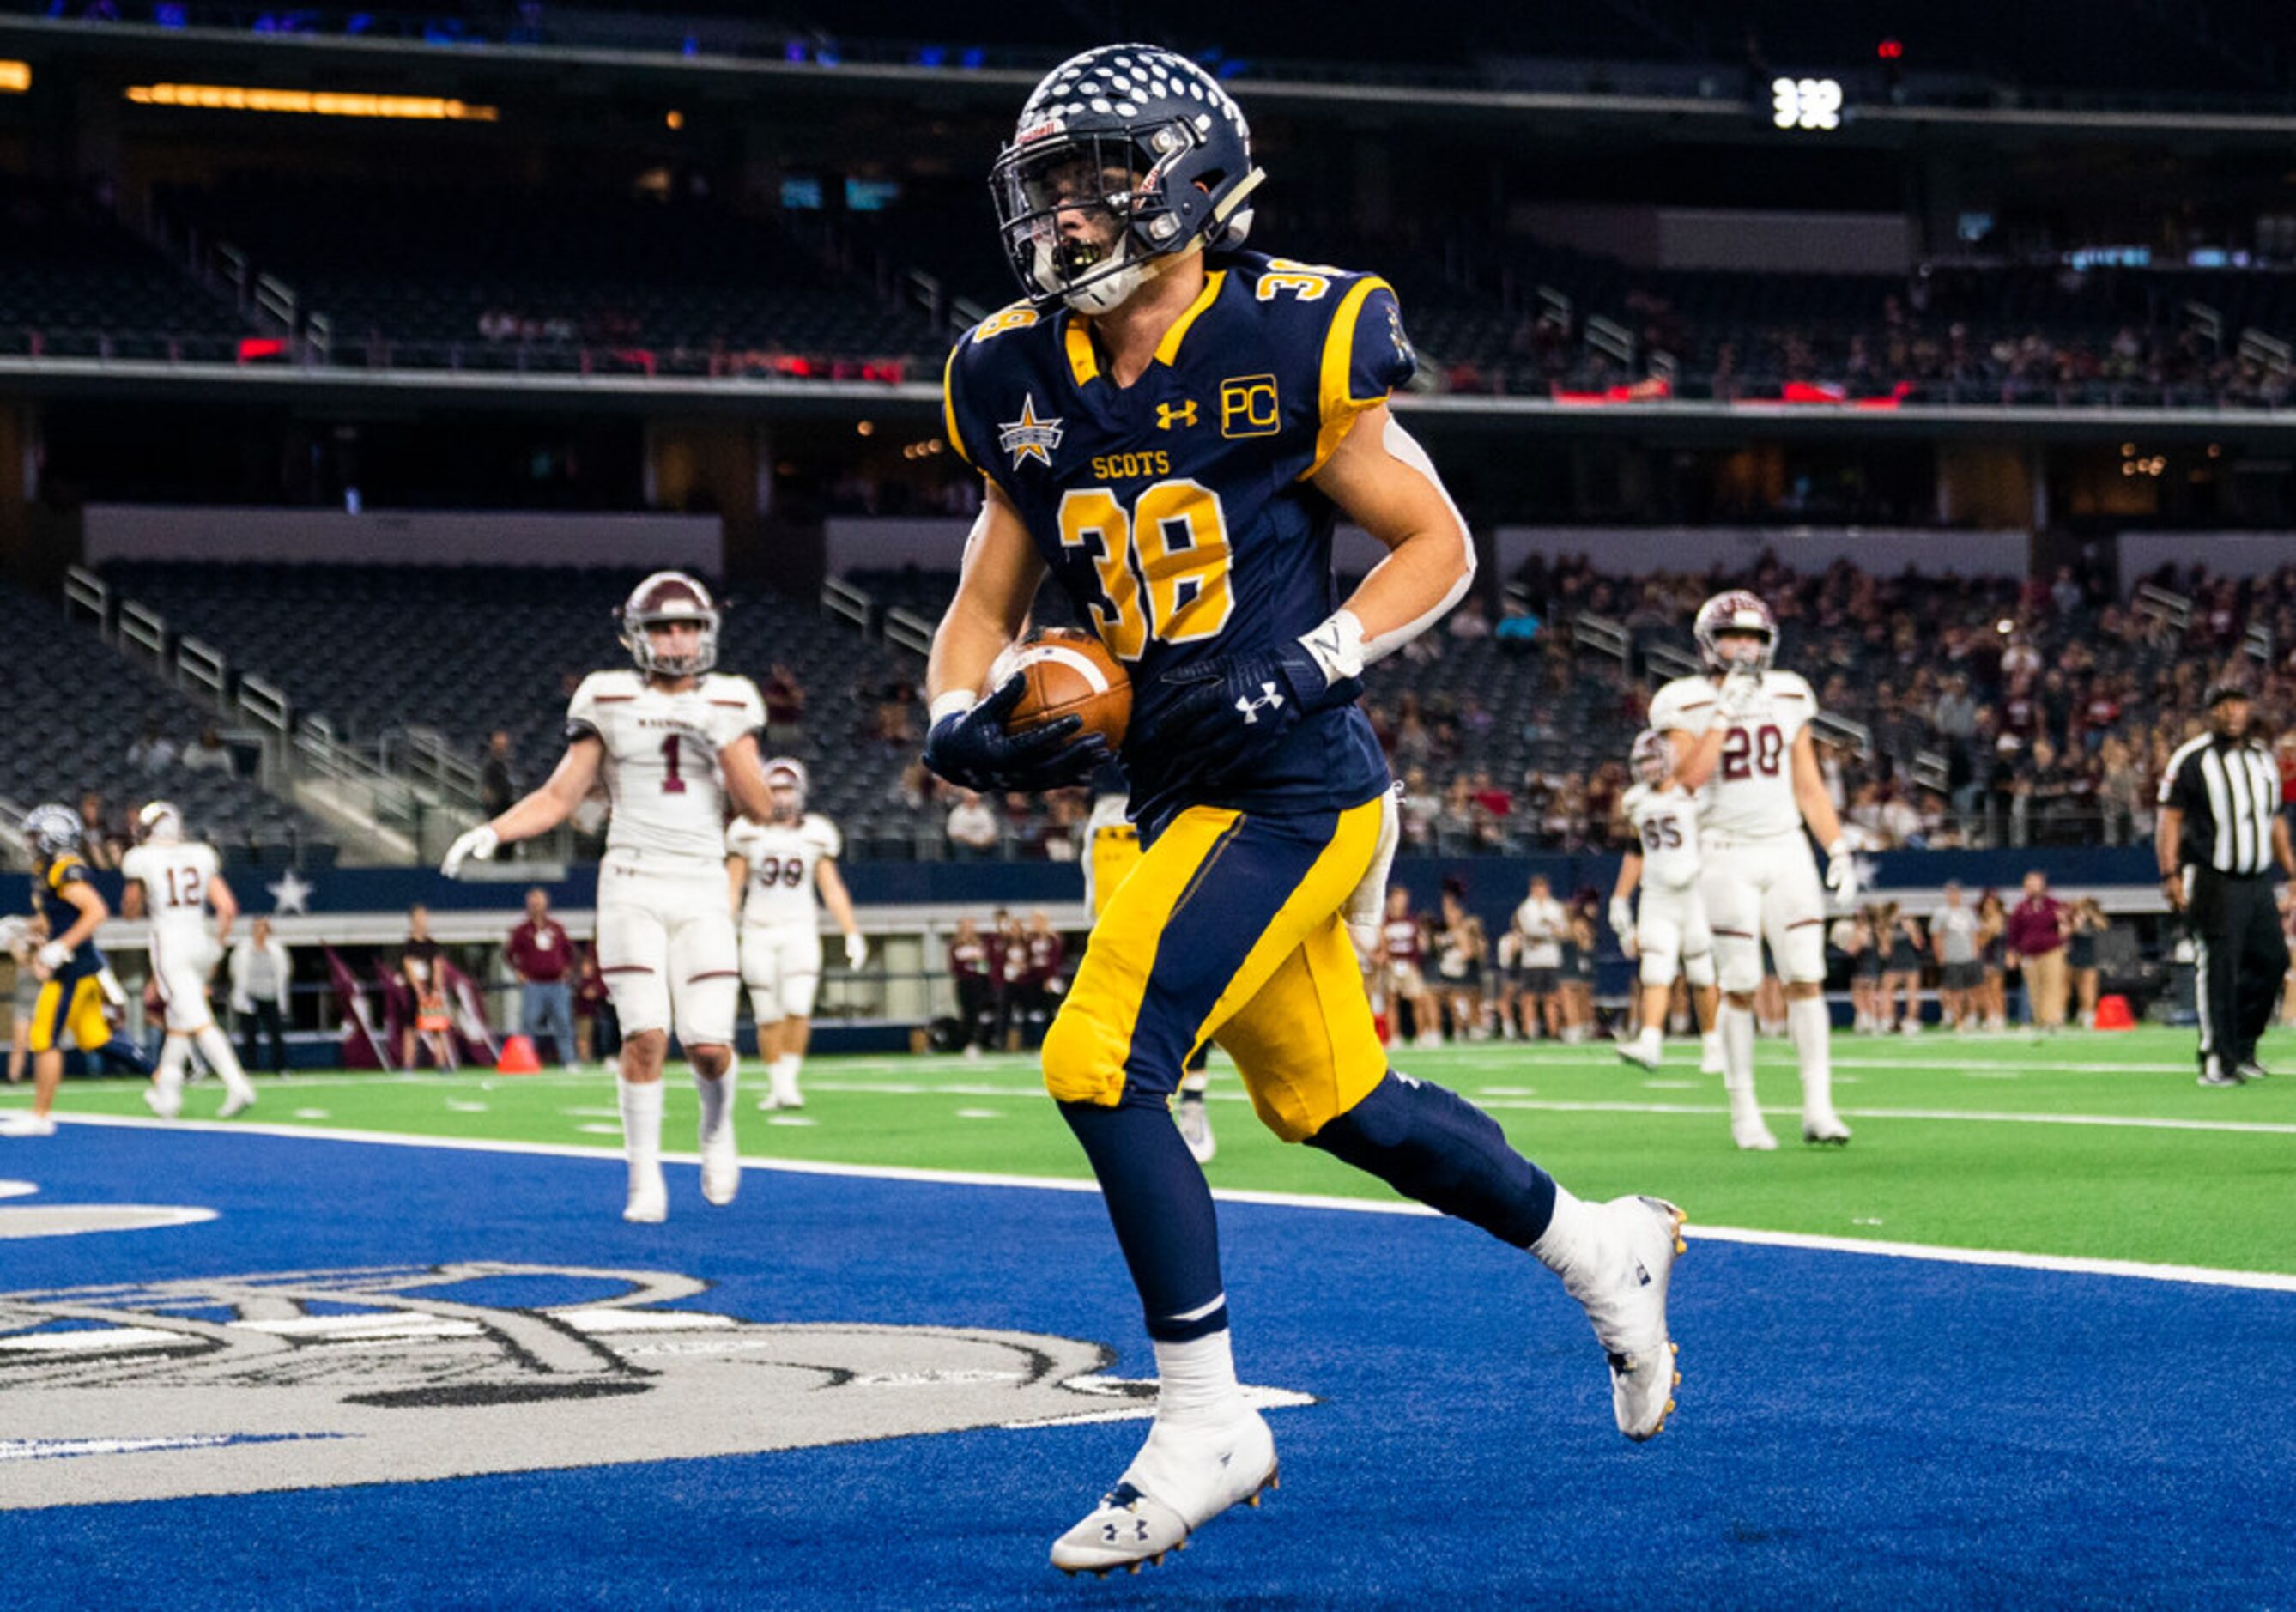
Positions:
(1029, 437)
(291, 893)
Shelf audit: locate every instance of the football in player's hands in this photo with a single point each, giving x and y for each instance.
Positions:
(974, 749)
(1066, 672)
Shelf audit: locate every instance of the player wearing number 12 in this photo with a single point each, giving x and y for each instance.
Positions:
(1171, 425)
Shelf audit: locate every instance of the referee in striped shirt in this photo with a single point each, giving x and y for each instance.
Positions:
(2220, 834)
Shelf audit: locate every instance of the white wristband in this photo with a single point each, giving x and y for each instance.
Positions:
(955, 702)
(1337, 646)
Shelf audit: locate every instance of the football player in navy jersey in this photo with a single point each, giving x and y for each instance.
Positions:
(1171, 425)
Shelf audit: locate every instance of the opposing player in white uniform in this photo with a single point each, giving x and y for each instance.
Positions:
(776, 867)
(1740, 733)
(1669, 935)
(175, 883)
(673, 742)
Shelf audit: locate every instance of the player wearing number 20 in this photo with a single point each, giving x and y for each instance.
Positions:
(1741, 740)
(1171, 425)
(676, 745)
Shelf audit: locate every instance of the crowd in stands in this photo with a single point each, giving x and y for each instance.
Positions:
(1970, 711)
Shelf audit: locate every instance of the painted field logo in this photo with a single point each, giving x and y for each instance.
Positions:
(235, 1385)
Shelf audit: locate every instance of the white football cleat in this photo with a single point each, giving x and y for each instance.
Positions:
(785, 1094)
(1633, 1052)
(648, 1200)
(236, 1103)
(721, 1165)
(1824, 1129)
(27, 1123)
(1183, 1478)
(1622, 1283)
(1753, 1136)
(1195, 1130)
(166, 1107)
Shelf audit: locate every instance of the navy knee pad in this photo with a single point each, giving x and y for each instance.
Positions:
(1434, 1145)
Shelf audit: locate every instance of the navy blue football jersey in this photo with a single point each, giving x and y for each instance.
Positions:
(1177, 513)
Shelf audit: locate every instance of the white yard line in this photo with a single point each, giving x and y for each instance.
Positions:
(2201, 1275)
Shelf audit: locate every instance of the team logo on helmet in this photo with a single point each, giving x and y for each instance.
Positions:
(50, 830)
(1123, 155)
(1735, 612)
(160, 823)
(1652, 759)
(663, 597)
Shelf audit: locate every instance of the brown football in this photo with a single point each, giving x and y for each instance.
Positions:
(1069, 672)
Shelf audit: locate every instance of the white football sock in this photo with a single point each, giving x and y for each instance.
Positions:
(1652, 1040)
(1195, 1381)
(1709, 1041)
(641, 1124)
(167, 1078)
(1196, 1080)
(1568, 1233)
(783, 1074)
(1735, 1026)
(215, 1047)
(1813, 1038)
(717, 1102)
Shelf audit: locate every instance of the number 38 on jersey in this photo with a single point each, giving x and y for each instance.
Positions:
(1161, 562)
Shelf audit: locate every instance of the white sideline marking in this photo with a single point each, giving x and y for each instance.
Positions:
(2200, 1275)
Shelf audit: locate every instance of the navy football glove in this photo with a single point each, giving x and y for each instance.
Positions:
(1233, 711)
(973, 750)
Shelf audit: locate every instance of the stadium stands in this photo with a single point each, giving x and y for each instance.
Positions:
(78, 707)
(436, 276)
(472, 650)
(74, 283)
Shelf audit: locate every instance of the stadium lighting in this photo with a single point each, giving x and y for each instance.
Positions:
(314, 103)
(15, 78)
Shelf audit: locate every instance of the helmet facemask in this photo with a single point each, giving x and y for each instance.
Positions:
(1112, 187)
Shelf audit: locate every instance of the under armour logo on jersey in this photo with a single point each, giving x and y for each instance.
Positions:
(1270, 699)
(1167, 415)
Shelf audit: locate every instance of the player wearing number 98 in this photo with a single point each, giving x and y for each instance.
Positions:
(674, 743)
(1171, 425)
(1740, 732)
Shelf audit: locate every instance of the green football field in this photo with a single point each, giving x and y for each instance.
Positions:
(2095, 1145)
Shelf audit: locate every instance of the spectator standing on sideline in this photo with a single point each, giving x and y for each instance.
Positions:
(260, 973)
(2037, 945)
(2220, 834)
(418, 971)
(597, 1031)
(2085, 924)
(1952, 936)
(542, 955)
(785, 698)
(976, 990)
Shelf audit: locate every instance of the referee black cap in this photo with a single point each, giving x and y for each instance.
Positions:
(2219, 693)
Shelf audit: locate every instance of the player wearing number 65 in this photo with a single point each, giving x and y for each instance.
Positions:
(1740, 733)
(674, 741)
(1171, 424)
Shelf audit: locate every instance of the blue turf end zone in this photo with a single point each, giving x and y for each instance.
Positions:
(1853, 1431)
